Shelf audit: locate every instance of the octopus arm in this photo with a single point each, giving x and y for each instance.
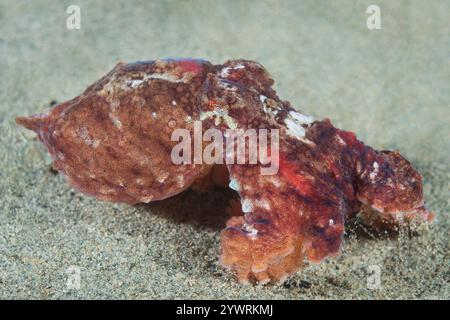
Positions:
(285, 221)
(387, 185)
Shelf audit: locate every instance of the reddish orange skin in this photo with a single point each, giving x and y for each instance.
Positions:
(114, 142)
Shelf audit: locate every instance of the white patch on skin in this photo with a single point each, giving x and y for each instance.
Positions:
(95, 143)
(139, 181)
(294, 128)
(117, 123)
(163, 176)
(225, 72)
(263, 203)
(340, 140)
(167, 77)
(275, 181)
(250, 230)
(330, 222)
(107, 88)
(147, 199)
(221, 115)
(134, 83)
(301, 118)
(206, 115)
(378, 208)
(84, 135)
(358, 167)
(180, 181)
(114, 105)
(154, 114)
(247, 205)
(234, 185)
(123, 83)
(295, 122)
(375, 171)
(174, 103)
(270, 111)
(115, 84)
(107, 191)
(267, 109)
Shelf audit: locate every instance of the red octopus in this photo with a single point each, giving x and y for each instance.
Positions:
(114, 142)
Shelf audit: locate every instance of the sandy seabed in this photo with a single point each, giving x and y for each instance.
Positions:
(390, 86)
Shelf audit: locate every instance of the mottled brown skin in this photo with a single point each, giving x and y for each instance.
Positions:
(113, 142)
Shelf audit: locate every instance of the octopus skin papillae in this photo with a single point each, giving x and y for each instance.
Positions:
(113, 142)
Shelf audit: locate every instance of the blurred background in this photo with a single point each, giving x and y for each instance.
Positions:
(389, 85)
